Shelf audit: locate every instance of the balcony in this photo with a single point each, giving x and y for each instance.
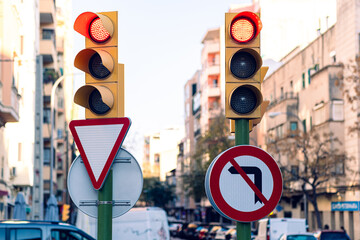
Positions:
(9, 105)
(50, 75)
(213, 91)
(48, 46)
(47, 11)
(214, 112)
(286, 99)
(212, 69)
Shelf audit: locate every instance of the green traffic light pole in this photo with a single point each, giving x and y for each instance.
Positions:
(243, 230)
(105, 205)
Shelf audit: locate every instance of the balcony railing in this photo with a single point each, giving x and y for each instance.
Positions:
(283, 97)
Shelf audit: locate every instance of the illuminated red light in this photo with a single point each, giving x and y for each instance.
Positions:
(97, 31)
(242, 30)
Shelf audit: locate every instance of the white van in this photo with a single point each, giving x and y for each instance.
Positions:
(149, 223)
(273, 228)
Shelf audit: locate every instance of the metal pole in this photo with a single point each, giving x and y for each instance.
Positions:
(105, 209)
(52, 103)
(243, 230)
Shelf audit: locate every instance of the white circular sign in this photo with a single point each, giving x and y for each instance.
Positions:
(243, 183)
(127, 185)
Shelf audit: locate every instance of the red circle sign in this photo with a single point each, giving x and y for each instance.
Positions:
(260, 156)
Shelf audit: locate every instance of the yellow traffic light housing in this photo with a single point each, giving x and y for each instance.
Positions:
(103, 94)
(65, 214)
(243, 62)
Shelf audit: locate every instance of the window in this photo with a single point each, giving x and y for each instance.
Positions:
(25, 234)
(47, 116)
(194, 89)
(303, 80)
(293, 126)
(2, 167)
(48, 34)
(214, 83)
(338, 110)
(46, 156)
(304, 125)
(294, 172)
(157, 158)
(339, 166)
(2, 233)
(61, 234)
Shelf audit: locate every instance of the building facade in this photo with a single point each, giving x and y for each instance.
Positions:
(33, 57)
(160, 152)
(306, 94)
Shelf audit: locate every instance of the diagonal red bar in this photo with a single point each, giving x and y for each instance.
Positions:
(248, 181)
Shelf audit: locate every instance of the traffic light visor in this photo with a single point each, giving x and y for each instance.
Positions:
(97, 63)
(245, 27)
(245, 99)
(96, 27)
(98, 99)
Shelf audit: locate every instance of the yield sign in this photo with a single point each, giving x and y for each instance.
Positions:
(98, 141)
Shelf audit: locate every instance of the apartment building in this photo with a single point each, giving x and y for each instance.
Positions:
(185, 205)
(11, 60)
(32, 59)
(202, 99)
(305, 94)
(56, 55)
(161, 151)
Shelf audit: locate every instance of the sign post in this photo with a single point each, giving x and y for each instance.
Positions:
(243, 183)
(243, 230)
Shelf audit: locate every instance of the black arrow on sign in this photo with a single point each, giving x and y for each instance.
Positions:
(258, 178)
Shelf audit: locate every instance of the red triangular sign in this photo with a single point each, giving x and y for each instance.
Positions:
(98, 141)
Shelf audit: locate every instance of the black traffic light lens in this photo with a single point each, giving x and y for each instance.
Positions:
(243, 65)
(96, 68)
(243, 100)
(96, 104)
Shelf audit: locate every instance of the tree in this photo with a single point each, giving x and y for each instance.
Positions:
(157, 193)
(208, 146)
(349, 82)
(311, 159)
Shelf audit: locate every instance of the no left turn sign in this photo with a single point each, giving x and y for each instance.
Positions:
(244, 183)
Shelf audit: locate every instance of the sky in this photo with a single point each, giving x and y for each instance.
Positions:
(160, 45)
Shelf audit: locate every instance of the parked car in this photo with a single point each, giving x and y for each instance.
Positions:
(231, 234)
(273, 228)
(212, 232)
(190, 231)
(221, 233)
(199, 231)
(174, 228)
(40, 230)
(331, 234)
(298, 236)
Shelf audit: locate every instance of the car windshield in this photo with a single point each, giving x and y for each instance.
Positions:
(300, 237)
(334, 235)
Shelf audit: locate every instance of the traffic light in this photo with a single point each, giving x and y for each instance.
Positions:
(103, 94)
(65, 214)
(243, 63)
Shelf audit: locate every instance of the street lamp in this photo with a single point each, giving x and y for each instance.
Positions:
(275, 114)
